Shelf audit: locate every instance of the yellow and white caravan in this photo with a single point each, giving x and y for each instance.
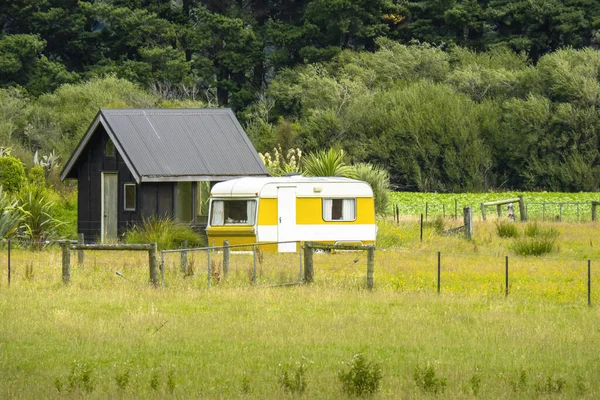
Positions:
(296, 208)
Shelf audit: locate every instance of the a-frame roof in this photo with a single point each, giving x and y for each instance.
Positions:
(175, 144)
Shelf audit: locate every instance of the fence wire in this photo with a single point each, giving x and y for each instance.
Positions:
(398, 270)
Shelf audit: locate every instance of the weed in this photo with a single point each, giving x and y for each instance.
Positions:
(533, 229)
(246, 384)
(81, 378)
(215, 271)
(122, 379)
(550, 385)
(520, 384)
(475, 382)
(438, 224)
(362, 377)
(507, 229)
(580, 385)
(427, 381)
(292, 377)
(154, 382)
(171, 381)
(189, 268)
(29, 273)
(535, 246)
(388, 234)
(58, 384)
(167, 233)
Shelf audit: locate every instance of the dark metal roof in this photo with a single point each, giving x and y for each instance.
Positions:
(177, 144)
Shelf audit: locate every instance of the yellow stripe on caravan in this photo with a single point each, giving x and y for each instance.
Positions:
(267, 212)
(309, 211)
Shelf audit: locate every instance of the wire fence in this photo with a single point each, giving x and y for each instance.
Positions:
(399, 270)
(567, 211)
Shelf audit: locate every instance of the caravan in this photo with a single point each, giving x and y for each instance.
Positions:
(291, 209)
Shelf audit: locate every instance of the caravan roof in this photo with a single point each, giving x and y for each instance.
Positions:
(306, 187)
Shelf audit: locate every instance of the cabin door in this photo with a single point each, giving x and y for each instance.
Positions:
(286, 225)
(109, 206)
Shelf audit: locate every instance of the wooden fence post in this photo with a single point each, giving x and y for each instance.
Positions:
(184, 257)
(66, 261)
(468, 218)
(499, 210)
(80, 240)
(483, 211)
(522, 209)
(594, 206)
(308, 263)
(153, 262)
(226, 255)
(370, 266)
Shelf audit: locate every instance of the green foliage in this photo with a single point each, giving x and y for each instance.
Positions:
(292, 377)
(379, 180)
(537, 241)
(506, 229)
(12, 174)
(165, 232)
(11, 215)
(427, 380)
(39, 222)
(550, 385)
(327, 163)
(362, 377)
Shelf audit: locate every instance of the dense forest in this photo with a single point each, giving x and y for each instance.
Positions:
(452, 95)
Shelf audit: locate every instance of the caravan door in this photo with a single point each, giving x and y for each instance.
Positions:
(286, 218)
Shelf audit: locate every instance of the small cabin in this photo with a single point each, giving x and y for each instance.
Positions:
(132, 164)
(291, 209)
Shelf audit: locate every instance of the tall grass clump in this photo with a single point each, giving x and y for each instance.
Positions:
(362, 377)
(507, 229)
(165, 232)
(537, 241)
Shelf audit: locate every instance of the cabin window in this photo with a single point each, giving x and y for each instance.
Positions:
(130, 195)
(339, 209)
(233, 212)
(109, 150)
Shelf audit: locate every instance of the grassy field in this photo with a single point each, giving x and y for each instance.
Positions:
(435, 204)
(108, 336)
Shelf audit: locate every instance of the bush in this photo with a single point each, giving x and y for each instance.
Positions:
(292, 377)
(12, 174)
(538, 241)
(427, 381)
(165, 232)
(39, 223)
(10, 215)
(379, 179)
(507, 229)
(362, 377)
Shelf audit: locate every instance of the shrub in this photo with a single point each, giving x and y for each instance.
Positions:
(379, 179)
(292, 378)
(165, 232)
(538, 241)
(507, 229)
(427, 381)
(39, 223)
(362, 377)
(10, 215)
(12, 174)
(327, 163)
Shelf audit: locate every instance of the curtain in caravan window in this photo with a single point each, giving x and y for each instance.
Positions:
(218, 213)
(327, 208)
(251, 211)
(349, 210)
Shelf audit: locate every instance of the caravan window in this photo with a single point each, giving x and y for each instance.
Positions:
(339, 209)
(233, 212)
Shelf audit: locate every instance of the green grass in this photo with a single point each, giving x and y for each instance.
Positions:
(438, 204)
(106, 336)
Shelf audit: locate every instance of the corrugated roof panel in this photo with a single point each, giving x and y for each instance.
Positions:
(179, 142)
